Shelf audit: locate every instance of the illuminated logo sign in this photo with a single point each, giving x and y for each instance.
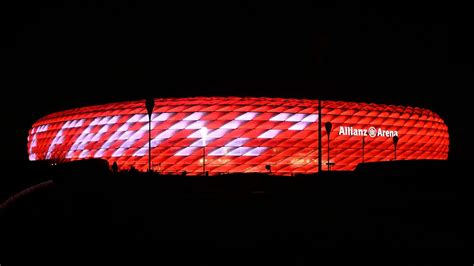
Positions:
(371, 132)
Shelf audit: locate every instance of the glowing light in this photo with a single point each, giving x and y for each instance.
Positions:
(161, 117)
(237, 142)
(295, 118)
(247, 116)
(186, 151)
(310, 118)
(59, 139)
(298, 126)
(244, 133)
(180, 125)
(232, 124)
(217, 133)
(118, 152)
(280, 117)
(84, 154)
(239, 151)
(218, 152)
(137, 117)
(255, 151)
(166, 134)
(196, 125)
(204, 135)
(269, 134)
(194, 116)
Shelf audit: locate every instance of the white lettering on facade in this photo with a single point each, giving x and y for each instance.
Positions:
(363, 132)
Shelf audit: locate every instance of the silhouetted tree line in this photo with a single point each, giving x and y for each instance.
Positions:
(408, 204)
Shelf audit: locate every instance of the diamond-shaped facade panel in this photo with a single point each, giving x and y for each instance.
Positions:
(243, 134)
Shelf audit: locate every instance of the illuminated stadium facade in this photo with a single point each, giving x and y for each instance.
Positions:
(241, 134)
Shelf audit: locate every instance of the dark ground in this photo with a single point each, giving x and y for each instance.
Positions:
(407, 205)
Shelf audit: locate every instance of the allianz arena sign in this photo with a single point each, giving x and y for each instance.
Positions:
(367, 132)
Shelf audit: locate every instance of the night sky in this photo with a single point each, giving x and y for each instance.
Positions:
(76, 53)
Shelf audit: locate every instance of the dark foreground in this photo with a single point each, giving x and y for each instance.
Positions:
(85, 208)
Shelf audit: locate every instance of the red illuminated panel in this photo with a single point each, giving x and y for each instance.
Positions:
(243, 134)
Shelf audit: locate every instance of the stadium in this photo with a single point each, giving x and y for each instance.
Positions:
(239, 135)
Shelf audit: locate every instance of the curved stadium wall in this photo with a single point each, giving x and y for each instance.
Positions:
(244, 134)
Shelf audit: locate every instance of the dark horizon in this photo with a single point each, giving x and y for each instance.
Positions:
(79, 54)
